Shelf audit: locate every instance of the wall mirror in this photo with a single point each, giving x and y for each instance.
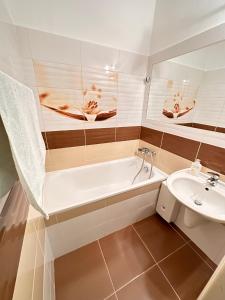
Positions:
(189, 90)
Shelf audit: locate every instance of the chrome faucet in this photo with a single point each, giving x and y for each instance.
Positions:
(213, 179)
(146, 151)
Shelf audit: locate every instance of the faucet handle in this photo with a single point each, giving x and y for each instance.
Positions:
(213, 175)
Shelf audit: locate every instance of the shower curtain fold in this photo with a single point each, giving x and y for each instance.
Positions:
(19, 115)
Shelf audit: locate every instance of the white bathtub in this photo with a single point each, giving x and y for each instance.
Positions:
(77, 186)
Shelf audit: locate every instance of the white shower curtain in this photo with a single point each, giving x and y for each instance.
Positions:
(18, 111)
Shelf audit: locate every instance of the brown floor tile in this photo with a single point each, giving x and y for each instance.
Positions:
(203, 255)
(113, 297)
(187, 273)
(176, 228)
(125, 256)
(158, 236)
(82, 275)
(152, 285)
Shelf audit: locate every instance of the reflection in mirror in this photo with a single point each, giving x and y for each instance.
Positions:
(189, 90)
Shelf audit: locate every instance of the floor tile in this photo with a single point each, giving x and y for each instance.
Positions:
(176, 228)
(187, 272)
(82, 274)
(125, 256)
(113, 297)
(158, 236)
(203, 255)
(150, 286)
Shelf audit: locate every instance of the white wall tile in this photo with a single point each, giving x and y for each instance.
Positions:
(54, 48)
(132, 63)
(98, 56)
(92, 226)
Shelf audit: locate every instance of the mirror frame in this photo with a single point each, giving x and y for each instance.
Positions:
(199, 41)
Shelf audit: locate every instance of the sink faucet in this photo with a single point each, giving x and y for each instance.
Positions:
(213, 179)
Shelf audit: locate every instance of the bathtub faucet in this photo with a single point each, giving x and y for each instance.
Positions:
(145, 151)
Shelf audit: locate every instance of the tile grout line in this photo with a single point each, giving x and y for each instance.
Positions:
(185, 244)
(200, 256)
(156, 262)
(196, 156)
(107, 270)
(161, 142)
(178, 232)
(188, 243)
(134, 278)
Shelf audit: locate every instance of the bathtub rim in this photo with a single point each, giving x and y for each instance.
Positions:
(106, 195)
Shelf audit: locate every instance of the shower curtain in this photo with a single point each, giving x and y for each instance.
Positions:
(19, 115)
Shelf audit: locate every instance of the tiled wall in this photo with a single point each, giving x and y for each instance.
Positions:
(168, 79)
(35, 276)
(61, 70)
(211, 156)
(210, 107)
(205, 87)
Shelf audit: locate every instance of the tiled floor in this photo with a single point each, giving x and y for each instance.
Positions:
(148, 260)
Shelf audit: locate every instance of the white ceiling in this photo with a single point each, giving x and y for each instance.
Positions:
(177, 20)
(123, 24)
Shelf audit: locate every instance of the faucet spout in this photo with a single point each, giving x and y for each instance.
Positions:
(213, 178)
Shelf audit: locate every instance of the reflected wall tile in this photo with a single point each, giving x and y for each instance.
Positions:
(54, 48)
(97, 56)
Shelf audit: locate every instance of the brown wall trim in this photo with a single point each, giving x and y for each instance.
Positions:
(183, 147)
(12, 227)
(151, 136)
(73, 138)
(211, 157)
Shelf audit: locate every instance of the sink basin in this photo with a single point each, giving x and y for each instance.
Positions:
(193, 192)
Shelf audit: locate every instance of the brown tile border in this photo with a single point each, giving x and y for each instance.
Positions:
(183, 147)
(64, 139)
(151, 136)
(100, 135)
(13, 223)
(212, 157)
(73, 138)
(128, 133)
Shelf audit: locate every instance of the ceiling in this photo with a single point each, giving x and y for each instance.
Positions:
(122, 24)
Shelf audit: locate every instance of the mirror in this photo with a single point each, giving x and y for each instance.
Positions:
(189, 90)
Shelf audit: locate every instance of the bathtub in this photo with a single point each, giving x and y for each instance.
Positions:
(74, 187)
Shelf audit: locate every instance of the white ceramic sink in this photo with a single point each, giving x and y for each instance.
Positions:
(193, 192)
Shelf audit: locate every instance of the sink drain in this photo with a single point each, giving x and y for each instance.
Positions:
(197, 202)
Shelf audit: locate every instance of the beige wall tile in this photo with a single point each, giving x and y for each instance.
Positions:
(167, 161)
(64, 158)
(25, 276)
(38, 274)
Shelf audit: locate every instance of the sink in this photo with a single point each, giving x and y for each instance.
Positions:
(202, 200)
